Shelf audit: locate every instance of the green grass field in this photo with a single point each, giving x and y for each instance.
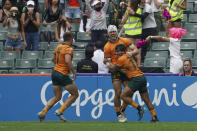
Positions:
(97, 126)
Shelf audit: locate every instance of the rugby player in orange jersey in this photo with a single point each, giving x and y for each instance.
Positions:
(60, 77)
(119, 78)
(137, 80)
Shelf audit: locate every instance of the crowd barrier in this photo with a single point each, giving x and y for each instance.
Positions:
(22, 97)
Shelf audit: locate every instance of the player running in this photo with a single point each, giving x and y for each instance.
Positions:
(117, 77)
(137, 80)
(60, 78)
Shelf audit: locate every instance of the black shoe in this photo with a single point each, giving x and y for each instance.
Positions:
(141, 112)
(155, 120)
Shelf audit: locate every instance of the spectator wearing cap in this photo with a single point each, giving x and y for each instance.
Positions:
(22, 5)
(99, 57)
(31, 23)
(87, 65)
(187, 68)
(15, 31)
(98, 25)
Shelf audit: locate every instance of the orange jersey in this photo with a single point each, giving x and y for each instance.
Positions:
(128, 63)
(60, 52)
(109, 49)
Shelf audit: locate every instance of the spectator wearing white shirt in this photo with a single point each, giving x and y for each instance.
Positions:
(149, 26)
(176, 63)
(99, 58)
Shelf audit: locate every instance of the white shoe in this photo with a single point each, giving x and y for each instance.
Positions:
(60, 115)
(41, 116)
(122, 117)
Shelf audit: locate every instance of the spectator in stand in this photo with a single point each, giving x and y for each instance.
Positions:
(23, 5)
(5, 11)
(51, 17)
(176, 63)
(187, 68)
(13, 2)
(156, 4)
(73, 10)
(62, 27)
(87, 65)
(175, 8)
(48, 3)
(15, 31)
(31, 22)
(132, 23)
(99, 57)
(52, 14)
(149, 27)
(98, 20)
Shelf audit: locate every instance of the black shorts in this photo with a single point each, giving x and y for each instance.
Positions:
(178, 20)
(133, 36)
(119, 76)
(60, 79)
(138, 84)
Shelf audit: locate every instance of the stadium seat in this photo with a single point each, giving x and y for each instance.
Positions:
(43, 28)
(48, 55)
(74, 27)
(188, 46)
(3, 36)
(78, 54)
(191, 36)
(41, 71)
(83, 37)
(154, 54)
(6, 64)
(190, 6)
(20, 71)
(194, 62)
(166, 70)
(185, 20)
(10, 54)
(1, 46)
(53, 45)
(195, 54)
(25, 63)
(75, 61)
(44, 63)
(160, 46)
(191, 27)
(155, 62)
(186, 54)
(162, 33)
(193, 18)
(80, 44)
(43, 46)
(32, 54)
(3, 71)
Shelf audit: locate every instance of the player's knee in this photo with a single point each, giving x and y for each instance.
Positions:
(58, 98)
(76, 95)
(122, 96)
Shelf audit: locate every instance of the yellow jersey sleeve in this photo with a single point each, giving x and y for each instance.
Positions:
(107, 53)
(120, 61)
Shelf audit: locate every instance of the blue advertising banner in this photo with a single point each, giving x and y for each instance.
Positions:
(22, 97)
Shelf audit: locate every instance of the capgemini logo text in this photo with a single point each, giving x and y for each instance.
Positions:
(189, 96)
(98, 99)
